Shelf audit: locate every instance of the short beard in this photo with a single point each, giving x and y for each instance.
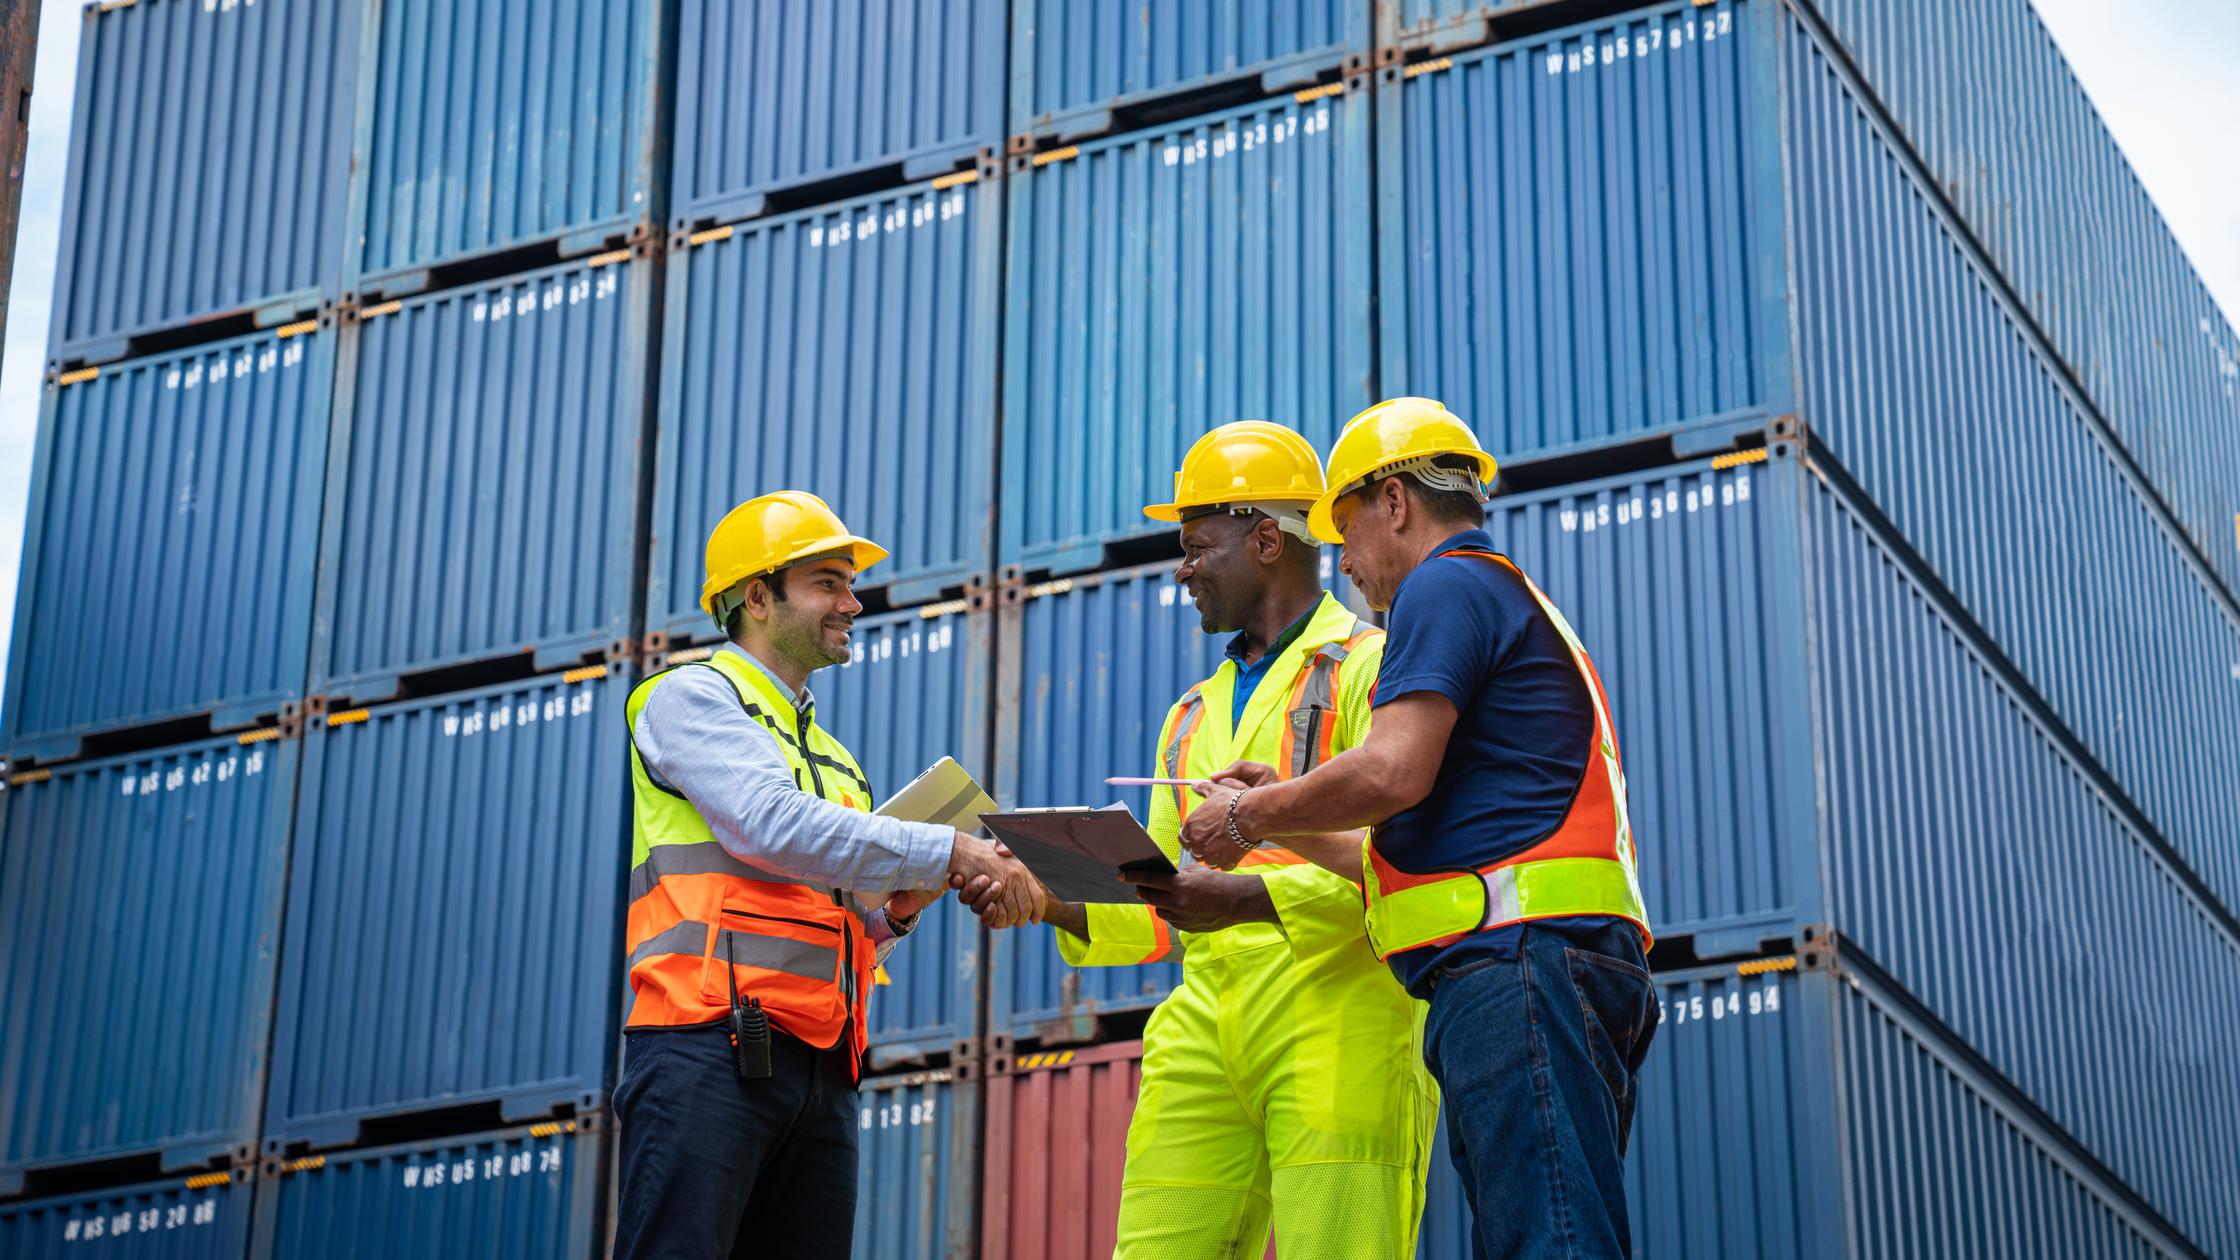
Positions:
(798, 637)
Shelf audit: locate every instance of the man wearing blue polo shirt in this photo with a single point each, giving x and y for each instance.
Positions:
(1500, 876)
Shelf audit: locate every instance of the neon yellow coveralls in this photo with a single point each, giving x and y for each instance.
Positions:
(1283, 1080)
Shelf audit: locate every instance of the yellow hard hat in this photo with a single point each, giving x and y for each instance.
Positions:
(1245, 461)
(1393, 432)
(771, 531)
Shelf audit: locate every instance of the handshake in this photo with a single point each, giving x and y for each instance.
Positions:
(989, 881)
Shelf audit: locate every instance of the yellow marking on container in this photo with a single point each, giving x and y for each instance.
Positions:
(686, 656)
(943, 609)
(22, 777)
(1059, 587)
(111, 6)
(1705, 4)
(1065, 154)
(296, 329)
(1761, 966)
(263, 734)
(390, 307)
(203, 1181)
(584, 674)
(708, 236)
(1433, 66)
(608, 259)
(79, 377)
(348, 717)
(957, 180)
(552, 1128)
(1305, 95)
(309, 1163)
(1736, 459)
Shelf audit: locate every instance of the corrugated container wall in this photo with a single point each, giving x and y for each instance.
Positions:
(187, 483)
(140, 902)
(1900, 335)
(454, 910)
(772, 95)
(483, 492)
(914, 1166)
(1088, 667)
(204, 1218)
(1076, 66)
(1811, 738)
(484, 127)
(1057, 1139)
(1807, 1113)
(524, 1192)
(916, 690)
(1991, 109)
(1163, 282)
(848, 351)
(209, 148)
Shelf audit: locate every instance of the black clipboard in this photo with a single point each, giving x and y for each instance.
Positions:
(1078, 854)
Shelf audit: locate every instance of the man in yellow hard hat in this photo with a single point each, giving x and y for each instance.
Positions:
(1500, 874)
(762, 893)
(1283, 1080)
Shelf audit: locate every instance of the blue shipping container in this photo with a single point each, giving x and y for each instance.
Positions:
(140, 893)
(454, 909)
(1989, 106)
(483, 489)
(915, 1164)
(484, 127)
(1559, 282)
(183, 487)
(202, 1218)
(1163, 282)
(916, 691)
(1808, 1113)
(772, 95)
(1074, 66)
(209, 148)
(536, 1192)
(1812, 735)
(848, 351)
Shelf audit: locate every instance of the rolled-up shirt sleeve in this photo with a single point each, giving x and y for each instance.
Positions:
(695, 739)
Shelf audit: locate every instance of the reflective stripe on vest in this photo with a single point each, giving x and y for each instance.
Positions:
(1311, 721)
(1585, 865)
(801, 949)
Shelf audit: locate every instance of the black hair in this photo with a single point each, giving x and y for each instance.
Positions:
(737, 618)
(1457, 507)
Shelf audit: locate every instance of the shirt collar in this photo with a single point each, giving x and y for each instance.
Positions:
(1237, 645)
(802, 700)
(1476, 538)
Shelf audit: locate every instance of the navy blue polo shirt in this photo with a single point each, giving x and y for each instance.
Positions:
(1471, 631)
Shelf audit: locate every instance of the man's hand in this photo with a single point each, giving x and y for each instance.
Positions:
(1244, 774)
(1206, 831)
(1012, 896)
(1201, 900)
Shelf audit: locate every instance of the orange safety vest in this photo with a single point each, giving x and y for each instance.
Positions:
(700, 917)
(1584, 865)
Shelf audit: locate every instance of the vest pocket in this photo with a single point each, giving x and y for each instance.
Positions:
(790, 963)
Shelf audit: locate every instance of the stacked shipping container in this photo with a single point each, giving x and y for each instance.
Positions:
(1854, 452)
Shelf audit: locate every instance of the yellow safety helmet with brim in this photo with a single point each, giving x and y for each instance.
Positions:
(769, 532)
(1398, 435)
(1245, 463)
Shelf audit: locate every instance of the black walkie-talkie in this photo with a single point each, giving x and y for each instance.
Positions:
(750, 1028)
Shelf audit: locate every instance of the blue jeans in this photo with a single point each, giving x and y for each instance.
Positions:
(1536, 1057)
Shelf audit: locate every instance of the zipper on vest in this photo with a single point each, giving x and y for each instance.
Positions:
(779, 918)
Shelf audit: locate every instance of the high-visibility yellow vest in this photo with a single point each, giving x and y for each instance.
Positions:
(700, 917)
(1302, 713)
(1585, 865)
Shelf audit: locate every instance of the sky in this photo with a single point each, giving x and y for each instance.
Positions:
(2159, 71)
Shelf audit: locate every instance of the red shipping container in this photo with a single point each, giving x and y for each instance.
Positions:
(1057, 1139)
(1057, 1135)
